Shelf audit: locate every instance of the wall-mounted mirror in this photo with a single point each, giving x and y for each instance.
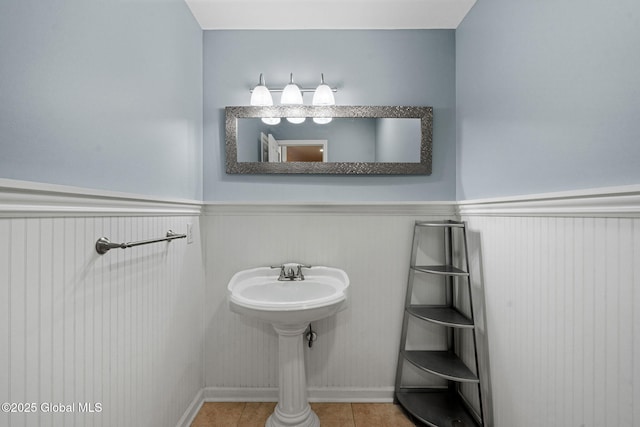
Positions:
(348, 140)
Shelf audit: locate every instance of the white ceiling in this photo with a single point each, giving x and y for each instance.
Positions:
(328, 14)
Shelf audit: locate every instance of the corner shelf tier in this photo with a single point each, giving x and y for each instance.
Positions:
(445, 270)
(445, 364)
(441, 315)
(436, 408)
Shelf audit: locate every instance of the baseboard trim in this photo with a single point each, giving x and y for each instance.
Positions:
(316, 394)
(192, 410)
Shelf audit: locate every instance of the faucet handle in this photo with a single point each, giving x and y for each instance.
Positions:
(299, 274)
(282, 271)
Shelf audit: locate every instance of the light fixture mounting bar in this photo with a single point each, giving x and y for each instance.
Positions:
(302, 89)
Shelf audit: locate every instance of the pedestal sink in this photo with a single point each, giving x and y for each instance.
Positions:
(289, 305)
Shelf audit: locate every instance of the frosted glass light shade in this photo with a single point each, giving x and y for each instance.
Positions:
(323, 95)
(291, 95)
(261, 97)
(296, 120)
(271, 121)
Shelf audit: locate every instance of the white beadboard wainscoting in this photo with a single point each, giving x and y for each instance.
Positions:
(355, 355)
(559, 280)
(123, 330)
(147, 333)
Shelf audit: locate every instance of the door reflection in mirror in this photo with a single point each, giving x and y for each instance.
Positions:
(292, 150)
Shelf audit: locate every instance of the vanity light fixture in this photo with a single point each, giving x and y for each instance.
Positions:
(261, 97)
(292, 95)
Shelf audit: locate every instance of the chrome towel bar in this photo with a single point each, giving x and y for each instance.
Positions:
(103, 245)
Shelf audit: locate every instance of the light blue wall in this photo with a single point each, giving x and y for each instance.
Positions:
(414, 67)
(108, 94)
(548, 96)
(102, 94)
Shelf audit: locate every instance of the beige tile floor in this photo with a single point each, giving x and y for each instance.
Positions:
(255, 414)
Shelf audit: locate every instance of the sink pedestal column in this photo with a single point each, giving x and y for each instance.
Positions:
(293, 406)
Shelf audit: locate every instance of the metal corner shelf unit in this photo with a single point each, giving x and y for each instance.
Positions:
(443, 403)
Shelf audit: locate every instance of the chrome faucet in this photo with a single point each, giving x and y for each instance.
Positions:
(287, 271)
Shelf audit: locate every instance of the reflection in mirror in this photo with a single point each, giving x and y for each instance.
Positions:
(293, 150)
(345, 140)
(359, 140)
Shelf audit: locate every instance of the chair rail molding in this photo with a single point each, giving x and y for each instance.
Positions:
(31, 199)
(332, 208)
(623, 201)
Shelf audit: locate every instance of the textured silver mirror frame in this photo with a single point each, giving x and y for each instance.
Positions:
(425, 114)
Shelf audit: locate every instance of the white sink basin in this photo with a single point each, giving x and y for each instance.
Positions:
(258, 293)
